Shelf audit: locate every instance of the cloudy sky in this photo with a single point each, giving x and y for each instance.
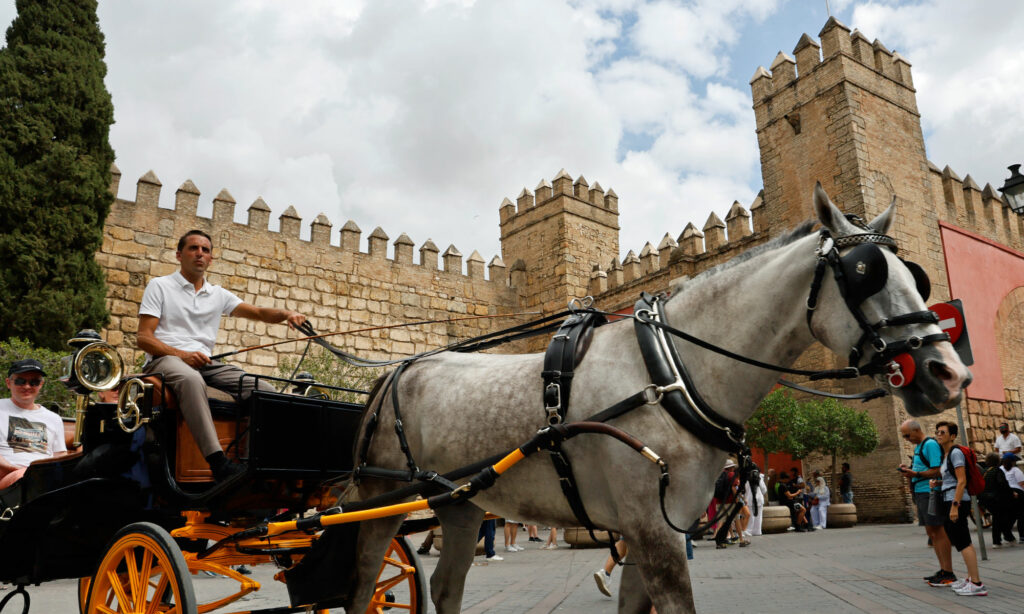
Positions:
(420, 117)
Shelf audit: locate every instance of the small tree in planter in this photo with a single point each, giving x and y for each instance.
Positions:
(799, 428)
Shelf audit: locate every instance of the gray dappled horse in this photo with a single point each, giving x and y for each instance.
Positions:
(460, 408)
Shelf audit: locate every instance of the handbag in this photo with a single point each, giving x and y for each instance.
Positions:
(814, 501)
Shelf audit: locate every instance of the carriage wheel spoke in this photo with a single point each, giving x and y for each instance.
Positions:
(134, 580)
(160, 588)
(117, 586)
(144, 573)
(104, 609)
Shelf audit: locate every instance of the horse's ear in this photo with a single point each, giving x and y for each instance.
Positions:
(829, 215)
(883, 222)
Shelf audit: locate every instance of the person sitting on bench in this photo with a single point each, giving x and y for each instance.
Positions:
(28, 431)
(178, 322)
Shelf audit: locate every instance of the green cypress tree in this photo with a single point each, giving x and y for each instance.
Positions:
(55, 158)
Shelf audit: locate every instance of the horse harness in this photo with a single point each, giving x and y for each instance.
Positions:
(859, 274)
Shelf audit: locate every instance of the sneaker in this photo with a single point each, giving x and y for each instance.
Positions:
(519, 548)
(959, 584)
(997, 546)
(943, 578)
(495, 557)
(245, 571)
(972, 590)
(536, 539)
(424, 550)
(510, 549)
(601, 578)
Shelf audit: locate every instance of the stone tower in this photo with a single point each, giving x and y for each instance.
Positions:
(844, 113)
(552, 238)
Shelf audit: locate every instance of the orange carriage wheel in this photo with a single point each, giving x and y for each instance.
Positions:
(142, 572)
(400, 584)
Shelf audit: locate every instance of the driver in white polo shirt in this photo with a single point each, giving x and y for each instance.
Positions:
(178, 322)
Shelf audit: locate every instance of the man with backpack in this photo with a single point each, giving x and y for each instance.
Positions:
(925, 466)
(959, 463)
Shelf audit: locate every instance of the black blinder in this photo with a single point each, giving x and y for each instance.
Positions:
(924, 285)
(865, 270)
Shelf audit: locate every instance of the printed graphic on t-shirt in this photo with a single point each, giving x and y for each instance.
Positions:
(26, 436)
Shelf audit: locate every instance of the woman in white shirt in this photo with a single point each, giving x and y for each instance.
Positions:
(821, 494)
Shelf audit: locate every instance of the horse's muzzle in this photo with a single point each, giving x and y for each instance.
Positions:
(939, 383)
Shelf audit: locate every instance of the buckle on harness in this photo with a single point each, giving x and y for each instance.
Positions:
(553, 391)
(896, 377)
(652, 394)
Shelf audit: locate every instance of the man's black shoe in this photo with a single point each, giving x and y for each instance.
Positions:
(424, 550)
(227, 471)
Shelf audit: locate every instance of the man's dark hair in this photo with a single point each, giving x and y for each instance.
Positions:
(783, 475)
(181, 241)
(846, 466)
(951, 427)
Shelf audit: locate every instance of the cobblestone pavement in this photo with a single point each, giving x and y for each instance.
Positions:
(870, 568)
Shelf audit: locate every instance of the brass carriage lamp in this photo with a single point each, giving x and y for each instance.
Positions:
(1013, 189)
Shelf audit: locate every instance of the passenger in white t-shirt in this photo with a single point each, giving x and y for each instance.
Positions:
(1007, 441)
(28, 431)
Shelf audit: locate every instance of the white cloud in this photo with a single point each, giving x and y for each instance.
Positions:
(967, 62)
(421, 118)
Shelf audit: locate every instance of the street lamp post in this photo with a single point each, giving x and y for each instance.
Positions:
(1013, 189)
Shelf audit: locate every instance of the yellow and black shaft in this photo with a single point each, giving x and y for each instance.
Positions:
(545, 439)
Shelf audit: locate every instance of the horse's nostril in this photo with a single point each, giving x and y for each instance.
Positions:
(940, 370)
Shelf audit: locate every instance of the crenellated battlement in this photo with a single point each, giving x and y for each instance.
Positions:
(531, 205)
(838, 44)
(981, 210)
(257, 228)
(694, 251)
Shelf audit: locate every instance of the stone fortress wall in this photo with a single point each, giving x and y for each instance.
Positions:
(842, 111)
(327, 277)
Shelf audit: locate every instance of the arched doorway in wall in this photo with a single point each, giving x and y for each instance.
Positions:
(1009, 333)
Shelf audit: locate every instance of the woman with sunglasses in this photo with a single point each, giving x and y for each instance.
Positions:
(28, 431)
(955, 507)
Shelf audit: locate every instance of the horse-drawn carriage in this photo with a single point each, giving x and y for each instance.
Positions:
(132, 508)
(133, 513)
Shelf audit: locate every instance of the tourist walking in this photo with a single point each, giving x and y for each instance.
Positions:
(927, 458)
(755, 496)
(1015, 478)
(820, 500)
(846, 484)
(998, 500)
(955, 507)
(1006, 441)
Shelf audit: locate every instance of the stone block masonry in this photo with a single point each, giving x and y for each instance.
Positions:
(334, 283)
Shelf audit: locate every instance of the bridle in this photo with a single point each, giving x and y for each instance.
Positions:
(859, 274)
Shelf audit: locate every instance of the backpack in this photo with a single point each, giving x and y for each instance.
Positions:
(975, 481)
(924, 461)
(722, 487)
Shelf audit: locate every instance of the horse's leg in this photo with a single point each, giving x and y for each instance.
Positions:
(660, 559)
(372, 545)
(633, 597)
(460, 525)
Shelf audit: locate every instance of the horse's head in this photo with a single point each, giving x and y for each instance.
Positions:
(872, 306)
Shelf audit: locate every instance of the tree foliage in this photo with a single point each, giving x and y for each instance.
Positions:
(799, 428)
(327, 369)
(55, 158)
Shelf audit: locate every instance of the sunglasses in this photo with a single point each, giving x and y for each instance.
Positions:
(21, 381)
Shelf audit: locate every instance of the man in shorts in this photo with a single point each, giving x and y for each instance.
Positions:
(925, 466)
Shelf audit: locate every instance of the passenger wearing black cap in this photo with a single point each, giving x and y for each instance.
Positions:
(28, 431)
(1016, 479)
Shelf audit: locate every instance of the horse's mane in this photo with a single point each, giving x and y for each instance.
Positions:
(796, 234)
